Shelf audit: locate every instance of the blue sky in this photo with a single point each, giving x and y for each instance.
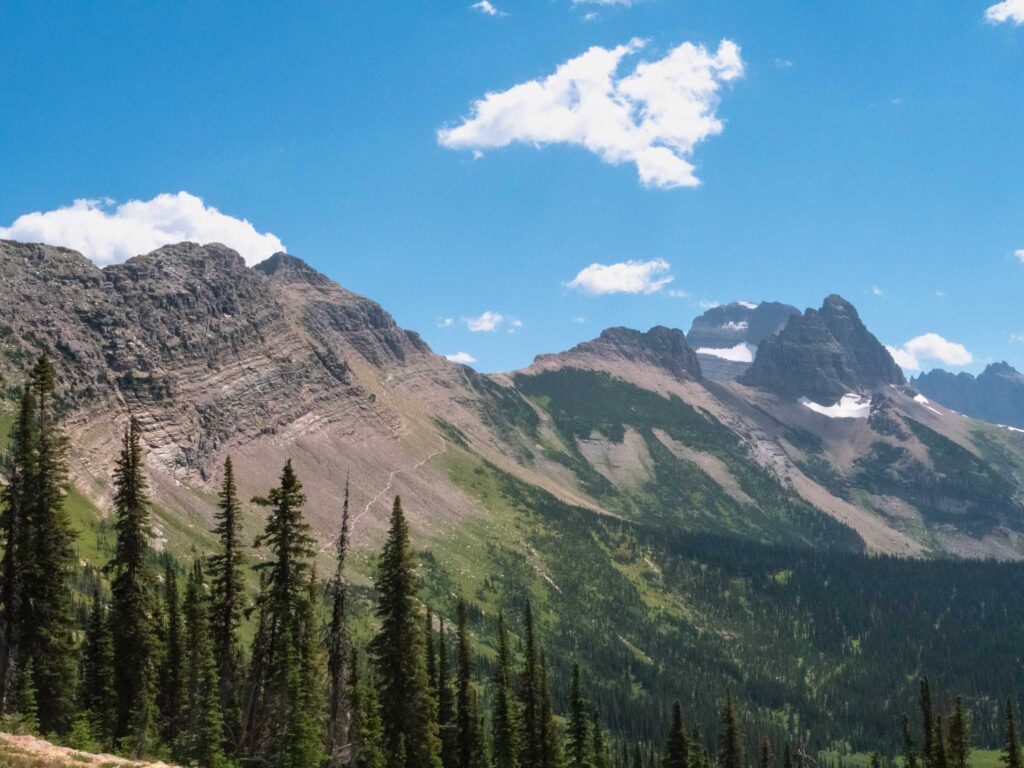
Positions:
(868, 149)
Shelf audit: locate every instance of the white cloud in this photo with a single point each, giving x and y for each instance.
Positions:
(461, 357)
(741, 353)
(876, 291)
(1008, 10)
(940, 294)
(708, 304)
(626, 3)
(1019, 253)
(929, 346)
(623, 277)
(445, 322)
(488, 321)
(654, 116)
(109, 233)
(677, 293)
(1016, 338)
(487, 8)
(783, 63)
(514, 324)
(579, 320)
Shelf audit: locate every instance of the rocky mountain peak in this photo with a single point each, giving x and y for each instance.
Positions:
(996, 394)
(661, 347)
(822, 355)
(287, 268)
(726, 337)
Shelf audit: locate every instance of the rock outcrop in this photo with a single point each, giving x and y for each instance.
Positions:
(726, 337)
(660, 347)
(996, 394)
(823, 354)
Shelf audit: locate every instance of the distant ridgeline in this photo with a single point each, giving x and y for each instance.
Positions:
(738, 652)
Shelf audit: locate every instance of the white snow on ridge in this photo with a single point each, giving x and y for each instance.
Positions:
(850, 406)
(748, 304)
(741, 353)
(742, 325)
(921, 398)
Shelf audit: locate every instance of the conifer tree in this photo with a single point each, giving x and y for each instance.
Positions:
(876, 760)
(97, 697)
(407, 708)
(1011, 757)
(134, 608)
(927, 724)
(598, 748)
(26, 702)
(909, 755)
(19, 469)
(201, 730)
(529, 698)
(579, 736)
(959, 737)
(730, 753)
(48, 632)
(676, 753)
(365, 731)
(787, 760)
(428, 631)
(228, 595)
(169, 695)
(464, 716)
(550, 738)
(505, 736)
(479, 755)
(447, 726)
(939, 759)
(765, 753)
(337, 716)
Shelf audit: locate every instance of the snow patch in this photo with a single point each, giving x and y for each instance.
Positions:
(1012, 429)
(850, 406)
(921, 399)
(740, 325)
(748, 304)
(741, 353)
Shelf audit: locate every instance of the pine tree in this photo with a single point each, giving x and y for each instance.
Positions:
(598, 749)
(49, 607)
(201, 732)
(26, 701)
(428, 632)
(283, 721)
(550, 739)
(529, 698)
(228, 595)
(134, 608)
(927, 725)
(479, 756)
(447, 726)
(730, 754)
(676, 752)
(97, 697)
(959, 736)
(464, 717)
(579, 735)
(765, 753)
(20, 464)
(337, 716)
(939, 745)
(505, 732)
(169, 696)
(1011, 756)
(407, 707)
(366, 733)
(909, 755)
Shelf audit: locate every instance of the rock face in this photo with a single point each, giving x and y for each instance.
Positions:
(996, 394)
(661, 347)
(822, 355)
(726, 337)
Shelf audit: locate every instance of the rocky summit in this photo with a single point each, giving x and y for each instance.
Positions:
(823, 355)
(726, 337)
(996, 394)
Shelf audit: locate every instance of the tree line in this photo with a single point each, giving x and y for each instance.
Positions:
(159, 671)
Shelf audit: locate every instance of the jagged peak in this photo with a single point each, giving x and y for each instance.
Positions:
(283, 266)
(659, 346)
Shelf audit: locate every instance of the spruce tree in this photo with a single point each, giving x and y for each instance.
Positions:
(1011, 756)
(19, 470)
(228, 596)
(787, 760)
(939, 759)
(550, 739)
(505, 736)
(97, 696)
(676, 752)
(447, 726)
(730, 753)
(909, 754)
(407, 708)
(464, 716)
(134, 605)
(579, 732)
(169, 696)
(201, 728)
(48, 633)
(765, 753)
(366, 733)
(598, 748)
(337, 715)
(529, 698)
(927, 724)
(959, 737)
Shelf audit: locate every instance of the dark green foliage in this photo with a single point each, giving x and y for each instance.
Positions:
(730, 749)
(228, 598)
(97, 696)
(529, 695)
(447, 726)
(1011, 757)
(407, 707)
(959, 736)
(464, 716)
(337, 641)
(505, 732)
(676, 752)
(201, 727)
(579, 723)
(134, 604)
(365, 729)
(927, 723)
(169, 694)
(598, 749)
(909, 754)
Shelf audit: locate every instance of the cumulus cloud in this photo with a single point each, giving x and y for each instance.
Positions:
(623, 277)
(929, 346)
(1008, 10)
(109, 233)
(461, 357)
(488, 321)
(876, 291)
(445, 322)
(487, 8)
(654, 116)
(1019, 253)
